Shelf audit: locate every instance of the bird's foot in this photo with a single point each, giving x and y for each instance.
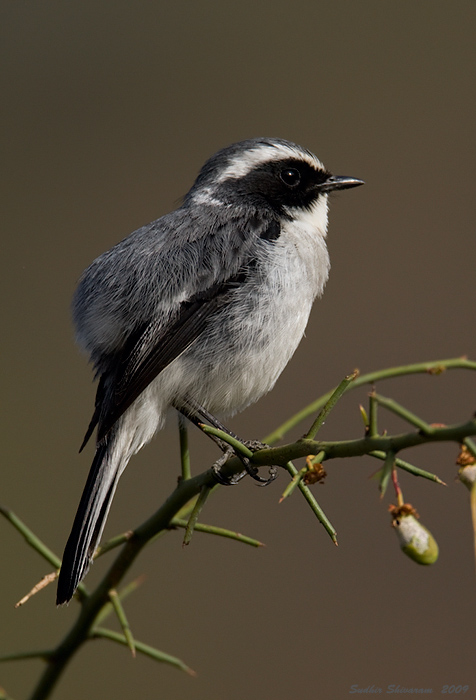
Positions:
(254, 446)
(217, 469)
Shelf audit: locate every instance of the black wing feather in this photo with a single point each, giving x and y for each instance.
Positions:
(155, 349)
(149, 351)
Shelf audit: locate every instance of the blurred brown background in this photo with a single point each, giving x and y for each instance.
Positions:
(109, 110)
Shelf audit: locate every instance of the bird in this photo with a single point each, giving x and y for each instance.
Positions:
(200, 310)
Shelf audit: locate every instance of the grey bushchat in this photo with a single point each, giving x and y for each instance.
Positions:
(200, 310)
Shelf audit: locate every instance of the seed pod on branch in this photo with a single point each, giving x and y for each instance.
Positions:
(416, 541)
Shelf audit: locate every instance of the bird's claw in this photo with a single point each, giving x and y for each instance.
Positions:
(250, 469)
(218, 474)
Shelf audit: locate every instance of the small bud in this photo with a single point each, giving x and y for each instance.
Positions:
(415, 540)
(315, 471)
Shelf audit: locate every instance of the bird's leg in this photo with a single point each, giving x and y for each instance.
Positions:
(224, 447)
(195, 413)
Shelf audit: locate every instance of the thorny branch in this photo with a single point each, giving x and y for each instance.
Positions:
(175, 511)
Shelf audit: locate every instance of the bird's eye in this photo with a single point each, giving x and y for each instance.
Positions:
(291, 177)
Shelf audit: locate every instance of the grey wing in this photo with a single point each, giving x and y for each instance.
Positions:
(152, 346)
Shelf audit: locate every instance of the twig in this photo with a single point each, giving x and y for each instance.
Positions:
(330, 403)
(184, 450)
(432, 368)
(101, 632)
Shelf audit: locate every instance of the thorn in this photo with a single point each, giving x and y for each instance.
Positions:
(39, 586)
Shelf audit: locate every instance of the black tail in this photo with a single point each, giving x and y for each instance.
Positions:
(90, 519)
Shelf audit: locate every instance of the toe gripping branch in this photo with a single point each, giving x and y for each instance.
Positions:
(249, 468)
(229, 443)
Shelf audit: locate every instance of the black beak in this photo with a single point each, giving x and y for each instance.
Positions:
(339, 182)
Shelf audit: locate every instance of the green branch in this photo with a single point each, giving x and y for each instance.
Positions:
(329, 405)
(184, 450)
(362, 446)
(188, 489)
(31, 538)
(183, 500)
(101, 632)
(406, 466)
(436, 367)
(214, 530)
